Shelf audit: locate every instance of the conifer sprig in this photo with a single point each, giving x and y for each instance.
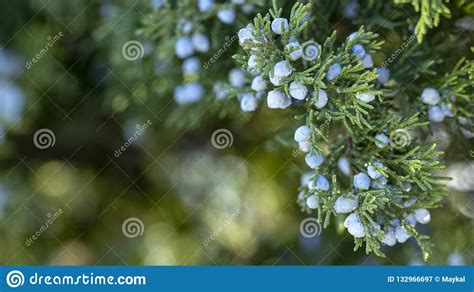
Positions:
(430, 14)
(352, 130)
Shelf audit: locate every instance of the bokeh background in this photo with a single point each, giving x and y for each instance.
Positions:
(193, 204)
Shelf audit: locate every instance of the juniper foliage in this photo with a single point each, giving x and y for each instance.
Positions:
(352, 113)
(181, 18)
(347, 127)
(430, 11)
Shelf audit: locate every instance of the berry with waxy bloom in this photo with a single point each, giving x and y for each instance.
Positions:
(205, 5)
(314, 160)
(384, 75)
(389, 238)
(422, 216)
(322, 99)
(282, 69)
(435, 114)
(333, 71)
(367, 61)
(401, 234)
(358, 50)
(258, 83)
(312, 202)
(184, 48)
(226, 15)
(278, 100)
(279, 25)
(298, 90)
(365, 97)
(304, 146)
(200, 42)
(248, 103)
(237, 77)
(345, 204)
(191, 66)
(188, 93)
(354, 225)
(303, 133)
(373, 172)
(321, 183)
(430, 96)
(361, 181)
(295, 49)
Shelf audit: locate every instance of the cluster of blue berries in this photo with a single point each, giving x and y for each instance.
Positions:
(280, 74)
(393, 231)
(185, 48)
(302, 137)
(437, 112)
(396, 232)
(313, 183)
(283, 70)
(277, 77)
(193, 41)
(359, 51)
(226, 14)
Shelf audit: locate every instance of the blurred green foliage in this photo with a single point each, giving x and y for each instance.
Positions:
(172, 179)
